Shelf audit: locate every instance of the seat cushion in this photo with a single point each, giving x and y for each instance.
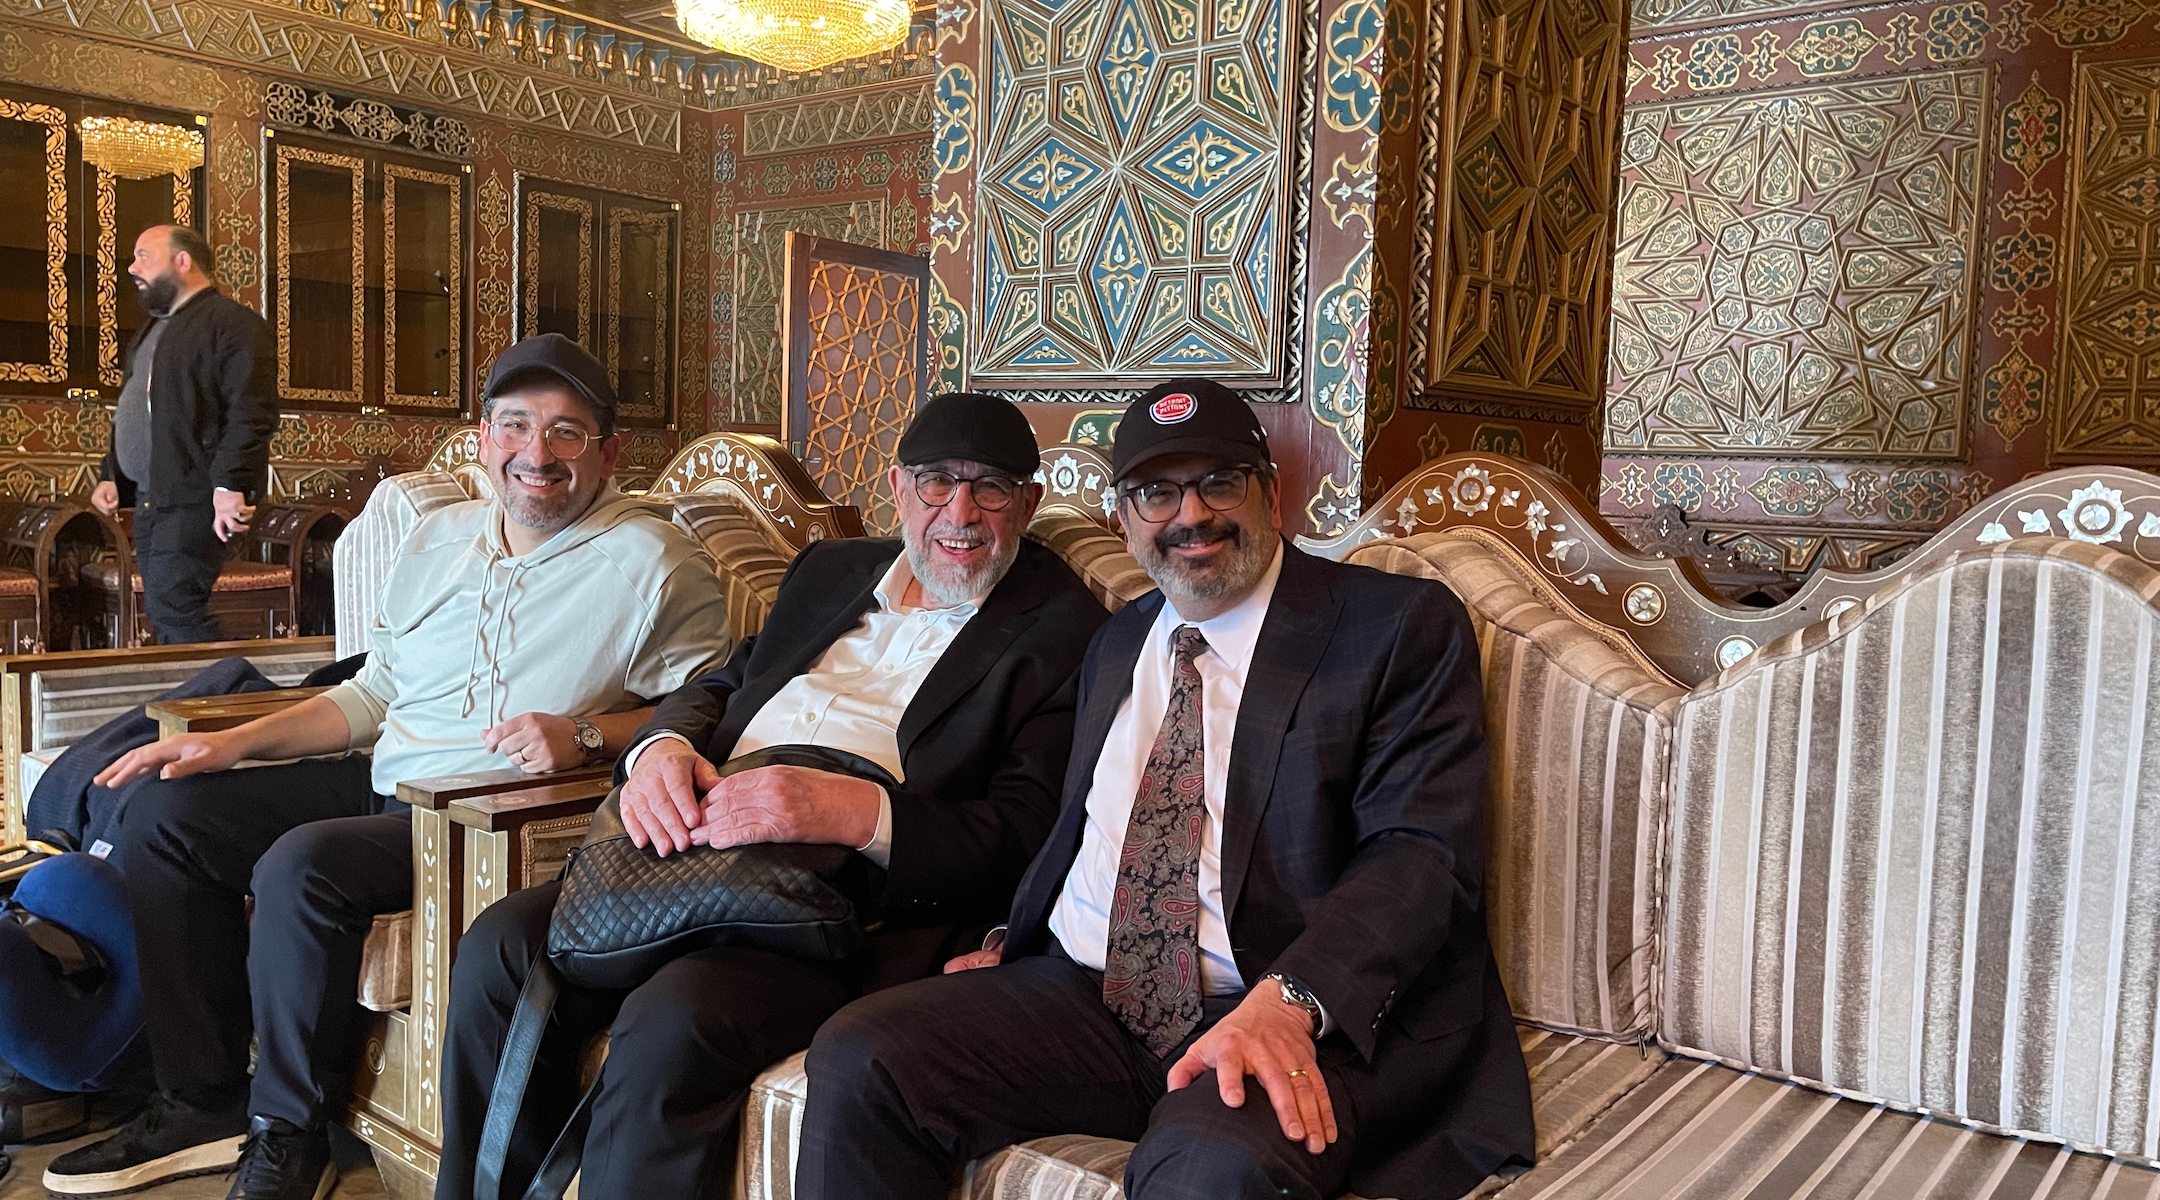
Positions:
(232, 577)
(1095, 554)
(15, 582)
(1699, 1130)
(386, 963)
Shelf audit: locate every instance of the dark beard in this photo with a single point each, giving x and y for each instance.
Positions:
(1241, 568)
(157, 296)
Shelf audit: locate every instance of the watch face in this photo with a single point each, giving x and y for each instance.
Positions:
(589, 737)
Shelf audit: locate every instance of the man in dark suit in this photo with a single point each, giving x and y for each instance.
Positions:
(948, 657)
(191, 430)
(1268, 863)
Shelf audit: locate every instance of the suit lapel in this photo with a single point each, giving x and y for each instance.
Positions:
(1300, 619)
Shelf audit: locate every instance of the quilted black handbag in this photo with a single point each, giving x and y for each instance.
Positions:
(625, 912)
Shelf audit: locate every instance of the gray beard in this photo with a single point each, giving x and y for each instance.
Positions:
(530, 513)
(949, 586)
(1185, 585)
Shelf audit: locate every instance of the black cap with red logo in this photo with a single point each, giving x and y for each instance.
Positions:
(1188, 416)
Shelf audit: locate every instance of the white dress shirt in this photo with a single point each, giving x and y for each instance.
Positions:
(853, 696)
(1081, 919)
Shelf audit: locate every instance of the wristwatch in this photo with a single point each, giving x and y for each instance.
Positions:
(1294, 992)
(588, 737)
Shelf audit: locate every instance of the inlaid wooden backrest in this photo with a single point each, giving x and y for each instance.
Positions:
(1666, 606)
(1077, 479)
(767, 481)
(855, 333)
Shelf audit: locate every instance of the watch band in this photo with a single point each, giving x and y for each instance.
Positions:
(1296, 994)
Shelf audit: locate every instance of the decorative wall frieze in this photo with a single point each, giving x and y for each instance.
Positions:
(863, 115)
(460, 69)
(291, 106)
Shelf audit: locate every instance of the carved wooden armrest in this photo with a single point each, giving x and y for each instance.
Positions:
(442, 791)
(508, 830)
(205, 714)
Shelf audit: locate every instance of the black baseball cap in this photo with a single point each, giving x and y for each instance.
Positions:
(553, 355)
(1187, 416)
(974, 427)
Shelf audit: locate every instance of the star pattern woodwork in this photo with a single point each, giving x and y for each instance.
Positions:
(2109, 361)
(1793, 272)
(863, 379)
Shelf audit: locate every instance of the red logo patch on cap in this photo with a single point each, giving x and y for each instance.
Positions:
(1173, 408)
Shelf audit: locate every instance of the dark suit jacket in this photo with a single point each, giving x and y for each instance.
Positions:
(1353, 855)
(213, 405)
(983, 745)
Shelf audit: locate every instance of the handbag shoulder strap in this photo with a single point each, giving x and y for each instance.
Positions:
(520, 1047)
(536, 1003)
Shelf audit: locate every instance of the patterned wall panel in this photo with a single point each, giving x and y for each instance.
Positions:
(860, 369)
(1132, 190)
(1516, 210)
(1794, 268)
(2109, 360)
(760, 265)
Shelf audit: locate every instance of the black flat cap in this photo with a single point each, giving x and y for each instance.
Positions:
(1188, 416)
(554, 356)
(971, 426)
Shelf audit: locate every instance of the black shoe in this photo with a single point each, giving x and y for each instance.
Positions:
(167, 1140)
(282, 1161)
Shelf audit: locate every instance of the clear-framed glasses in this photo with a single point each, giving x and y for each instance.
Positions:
(991, 492)
(563, 441)
(1161, 499)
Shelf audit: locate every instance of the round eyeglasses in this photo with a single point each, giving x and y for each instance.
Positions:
(563, 441)
(991, 492)
(1161, 499)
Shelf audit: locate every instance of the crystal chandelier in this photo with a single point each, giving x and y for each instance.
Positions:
(795, 35)
(139, 149)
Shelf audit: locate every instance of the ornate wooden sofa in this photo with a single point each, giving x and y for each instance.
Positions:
(1857, 911)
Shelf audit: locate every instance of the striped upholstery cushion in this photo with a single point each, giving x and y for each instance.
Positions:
(1095, 554)
(771, 1130)
(1579, 735)
(1883, 876)
(1698, 1130)
(750, 566)
(367, 546)
(65, 705)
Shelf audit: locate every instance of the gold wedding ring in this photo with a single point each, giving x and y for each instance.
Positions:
(1295, 1074)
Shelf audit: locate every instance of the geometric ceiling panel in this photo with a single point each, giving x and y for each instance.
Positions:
(1133, 192)
(1794, 270)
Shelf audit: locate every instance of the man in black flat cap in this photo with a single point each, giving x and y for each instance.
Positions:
(947, 657)
(1254, 943)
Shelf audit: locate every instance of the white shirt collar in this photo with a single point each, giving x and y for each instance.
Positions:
(893, 589)
(1233, 634)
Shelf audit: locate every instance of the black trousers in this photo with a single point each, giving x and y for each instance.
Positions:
(178, 555)
(909, 1084)
(303, 838)
(683, 1050)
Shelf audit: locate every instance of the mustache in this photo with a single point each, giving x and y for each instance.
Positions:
(946, 529)
(1185, 535)
(550, 471)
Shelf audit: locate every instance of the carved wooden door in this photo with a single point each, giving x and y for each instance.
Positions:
(855, 334)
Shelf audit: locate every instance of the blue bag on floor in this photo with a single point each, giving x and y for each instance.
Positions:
(70, 996)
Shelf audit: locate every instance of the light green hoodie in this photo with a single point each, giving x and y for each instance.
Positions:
(617, 609)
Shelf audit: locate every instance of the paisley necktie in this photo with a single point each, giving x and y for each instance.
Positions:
(1151, 975)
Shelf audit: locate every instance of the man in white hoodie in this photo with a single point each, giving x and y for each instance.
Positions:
(532, 630)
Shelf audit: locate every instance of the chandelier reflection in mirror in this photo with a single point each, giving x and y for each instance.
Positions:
(139, 149)
(795, 35)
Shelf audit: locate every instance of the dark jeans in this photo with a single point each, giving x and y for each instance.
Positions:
(910, 1083)
(683, 1050)
(303, 839)
(178, 555)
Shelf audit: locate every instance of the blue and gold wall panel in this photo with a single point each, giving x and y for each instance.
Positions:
(1132, 188)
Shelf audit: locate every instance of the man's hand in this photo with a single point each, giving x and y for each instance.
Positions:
(789, 804)
(173, 758)
(1272, 1041)
(105, 497)
(233, 514)
(976, 960)
(660, 801)
(536, 742)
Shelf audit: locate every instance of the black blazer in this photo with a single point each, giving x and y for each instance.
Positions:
(213, 405)
(983, 743)
(1353, 854)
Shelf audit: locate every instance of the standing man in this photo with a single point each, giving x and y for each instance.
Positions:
(191, 435)
(1255, 940)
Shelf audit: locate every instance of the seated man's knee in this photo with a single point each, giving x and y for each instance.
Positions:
(292, 865)
(499, 947)
(856, 1043)
(161, 810)
(1198, 1146)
